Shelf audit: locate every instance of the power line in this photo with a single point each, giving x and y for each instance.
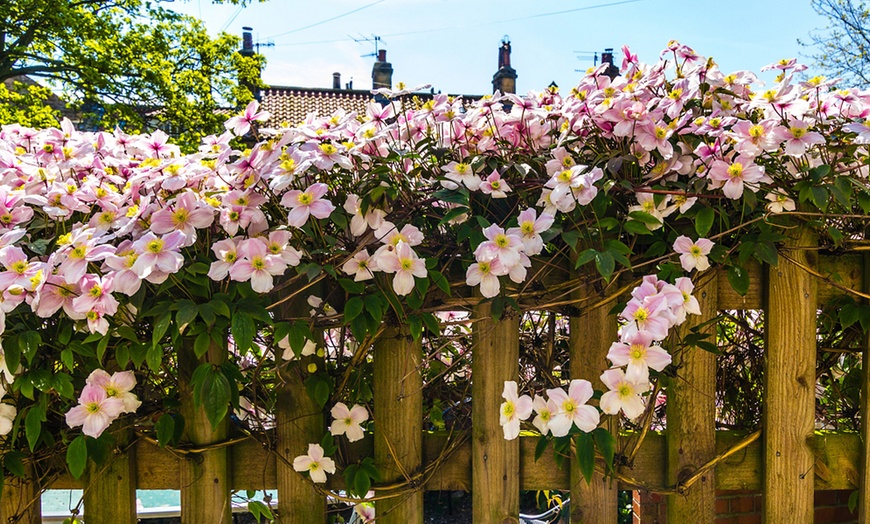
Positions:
(315, 24)
(232, 18)
(541, 15)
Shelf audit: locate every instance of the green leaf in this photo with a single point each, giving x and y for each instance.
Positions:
(12, 461)
(33, 425)
(819, 196)
(353, 308)
(605, 264)
(354, 288)
(431, 323)
(585, 450)
(243, 330)
(154, 357)
(606, 444)
(66, 356)
(165, 428)
(160, 327)
(440, 281)
(704, 220)
(585, 257)
(201, 344)
(541, 446)
(738, 277)
(637, 228)
(185, 316)
(127, 333)
(12, 353)
(215, 397)
(30, 342)
(260, 509)
(853, 501)
(415, 325)
(646, 218)
(77, 456)
(766, 252)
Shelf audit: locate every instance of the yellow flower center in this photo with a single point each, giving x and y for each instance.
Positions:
(735, 170)
(637, 351)
(155, 246)
(305, 198)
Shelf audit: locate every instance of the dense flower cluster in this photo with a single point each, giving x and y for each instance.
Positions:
(391, 200)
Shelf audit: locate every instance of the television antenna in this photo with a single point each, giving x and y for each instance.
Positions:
(585, 56)
(374, 39)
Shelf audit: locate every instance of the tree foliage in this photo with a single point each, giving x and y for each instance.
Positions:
(127, 62)
(842, 48)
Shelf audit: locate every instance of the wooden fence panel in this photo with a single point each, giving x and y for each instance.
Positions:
(591, 335)
(790, 380)
(20, 498)
(495, 462)
(110, 491)
(691, 416)
(205, 476)
(298, 422)
(864, 488)
(398, 404)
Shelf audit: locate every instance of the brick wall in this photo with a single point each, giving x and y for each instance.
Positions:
(743, 507)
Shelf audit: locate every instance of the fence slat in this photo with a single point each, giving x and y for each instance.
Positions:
(864, 489)
(299, 421)
(591, 335)
(110, 492)
(398, 405)
(205, 477)
(790, 378)
(691, 416)
(495, 462)
(20, 499)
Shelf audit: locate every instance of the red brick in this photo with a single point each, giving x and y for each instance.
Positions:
(830, 515)
(749, 519)
(722, 506)
(726, 520)
(744, 504)
(826, 498)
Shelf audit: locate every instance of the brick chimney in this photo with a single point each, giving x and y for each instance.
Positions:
(505, 79)
(247, 42)
(336, 80)
(382, 72)
(607, 58)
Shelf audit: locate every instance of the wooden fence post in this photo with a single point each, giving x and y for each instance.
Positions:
(110, 489)
(299, 422)
(789, 382)
(398, 405)
(20, 498)
(495, 462)
(691, 412)
(591, 334)
(205, 477)
(864, 488)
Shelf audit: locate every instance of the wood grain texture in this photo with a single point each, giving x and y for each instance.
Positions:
(691, 415)
(495, 484)
(398, 405)
(591, 334)
(110, 493)
(204, 477)
(20, 501)
(299, 421)
(864, 489)
(790, 379)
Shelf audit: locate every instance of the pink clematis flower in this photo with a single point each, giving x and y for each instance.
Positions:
(513, 410)
(241, 124)
(360, 266)
(693, 255)
(348, 421)
(495, 186)
(638, 353)
(187, 215)
(573, 409)
(158, 254)
(257, 265)
(314, 463)
(307, 203)
(403, 261)
(545, 410)
(797, 137)
(118, 385)
(624, 395)
(95, 411)
(96, 295)
(530, 228)
(485, 274)
(733, 175)
(499, 245)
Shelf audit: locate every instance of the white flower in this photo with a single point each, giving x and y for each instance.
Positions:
(7, 417)
(314, 463)
(347, 421)
(513, 410)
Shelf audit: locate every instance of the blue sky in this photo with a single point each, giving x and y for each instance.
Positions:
(453, 44)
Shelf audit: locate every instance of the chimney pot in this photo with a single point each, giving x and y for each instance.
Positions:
(336, 80)
(382, 55)
(247, 41)
(382, 72)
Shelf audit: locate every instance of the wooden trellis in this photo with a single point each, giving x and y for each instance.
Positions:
(689, 461)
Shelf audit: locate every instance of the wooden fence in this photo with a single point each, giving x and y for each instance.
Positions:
(787, 460)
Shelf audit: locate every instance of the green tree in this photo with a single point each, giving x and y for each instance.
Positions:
(842, 48)
(127, 62)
